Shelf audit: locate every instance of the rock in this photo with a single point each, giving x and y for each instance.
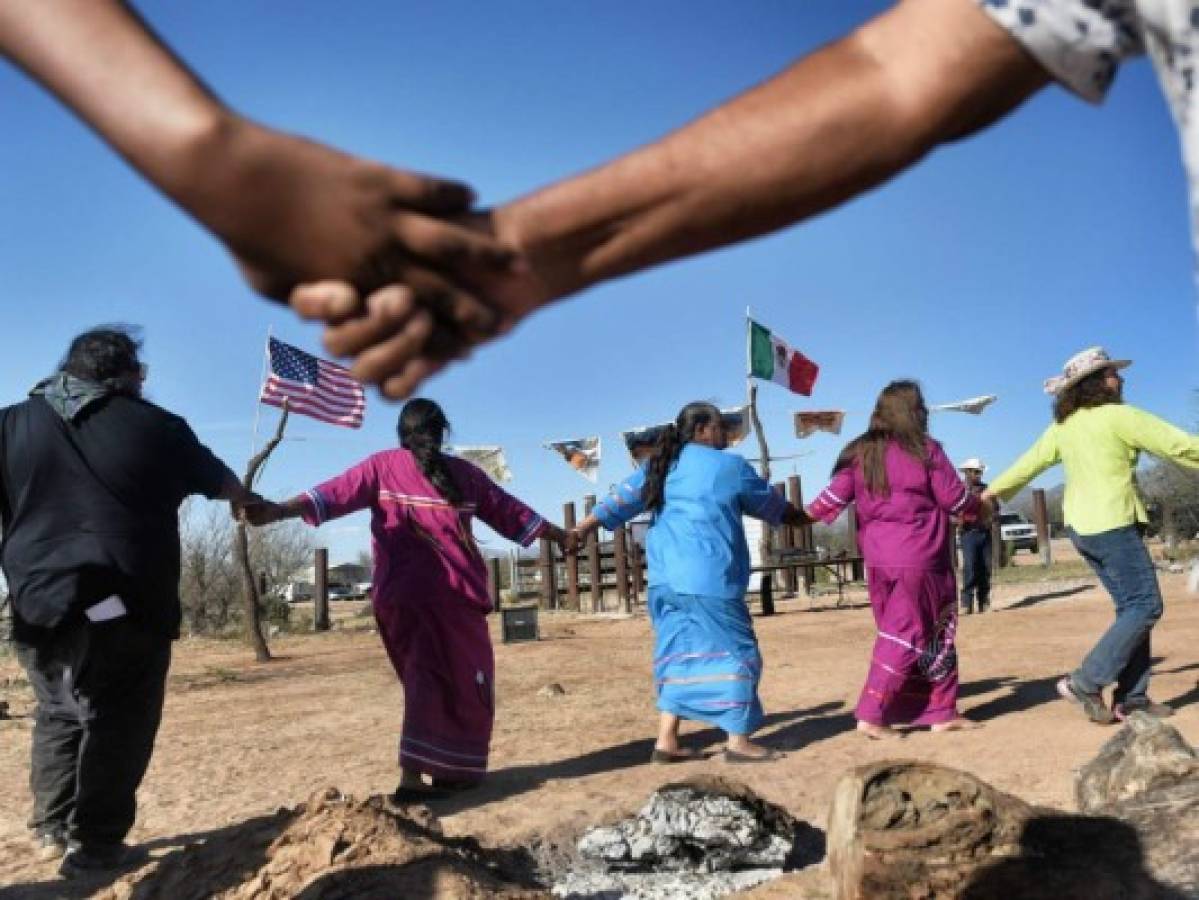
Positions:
(917, 830)
(553, 689)
(1145, 754)
(1148, 775)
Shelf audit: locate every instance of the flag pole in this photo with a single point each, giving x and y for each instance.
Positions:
(752, 394)
(266, 355)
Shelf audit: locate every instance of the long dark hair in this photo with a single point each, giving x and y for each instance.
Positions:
(668, 447)
(1086, 393)
(899, 415)
(422, 429)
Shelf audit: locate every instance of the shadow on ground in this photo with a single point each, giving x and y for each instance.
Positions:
(1034, 599)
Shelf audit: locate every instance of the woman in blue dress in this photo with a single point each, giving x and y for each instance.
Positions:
(706, 660)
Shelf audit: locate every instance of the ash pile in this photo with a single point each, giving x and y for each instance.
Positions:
(698, 839)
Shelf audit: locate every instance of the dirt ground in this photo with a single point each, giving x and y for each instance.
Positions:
(239, 739)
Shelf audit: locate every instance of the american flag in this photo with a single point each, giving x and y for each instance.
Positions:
(312, 386)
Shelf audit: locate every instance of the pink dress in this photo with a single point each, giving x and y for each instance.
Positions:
(430, 598)
(906, 542)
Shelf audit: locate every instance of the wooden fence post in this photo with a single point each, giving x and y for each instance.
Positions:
(859, 570)
(622, 569)
(572, 561)
(593, 560)
(635, 561)
(803, 533)
(320, 600)
(787, 540)
(766, 593)
(1041, 515)
(493, 582)
(998, 554)
(549, 581)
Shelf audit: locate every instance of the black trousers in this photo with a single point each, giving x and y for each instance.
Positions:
(976, 569)
(99, 690)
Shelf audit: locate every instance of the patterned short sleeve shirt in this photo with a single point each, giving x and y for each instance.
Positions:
(1081, 43)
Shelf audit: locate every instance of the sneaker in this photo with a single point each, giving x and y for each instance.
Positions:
(78, 862)
(1092, 704)
(1158, 710)
(51, 843)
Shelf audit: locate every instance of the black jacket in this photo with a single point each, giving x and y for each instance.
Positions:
(90, 509)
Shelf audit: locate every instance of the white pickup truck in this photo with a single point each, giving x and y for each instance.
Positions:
(1017, 532)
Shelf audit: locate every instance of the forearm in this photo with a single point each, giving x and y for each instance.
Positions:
(589, 524)
(831, 126)
(233, 490)
(101, 60)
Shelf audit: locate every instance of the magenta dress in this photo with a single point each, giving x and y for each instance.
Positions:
(430, 598)
(906, 542)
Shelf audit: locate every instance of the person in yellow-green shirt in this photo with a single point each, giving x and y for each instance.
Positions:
(1098, 439)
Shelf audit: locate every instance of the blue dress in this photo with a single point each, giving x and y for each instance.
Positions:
(706, 660)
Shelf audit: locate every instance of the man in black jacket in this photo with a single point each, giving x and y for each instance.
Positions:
(91, 479)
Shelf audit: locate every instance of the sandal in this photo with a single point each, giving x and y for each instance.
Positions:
(668, 757)
(732, 756)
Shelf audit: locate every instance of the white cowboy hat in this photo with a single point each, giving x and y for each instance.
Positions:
(972, 463)
(1080, 365)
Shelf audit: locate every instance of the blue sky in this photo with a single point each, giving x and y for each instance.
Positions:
(978, 272)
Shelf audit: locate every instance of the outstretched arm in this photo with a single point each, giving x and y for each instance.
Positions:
(828, 128)
(831, 126)
(289, 210)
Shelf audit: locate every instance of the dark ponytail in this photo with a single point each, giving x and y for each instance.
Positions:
(667, 448)
(422, 428)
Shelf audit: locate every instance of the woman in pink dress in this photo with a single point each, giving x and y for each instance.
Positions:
(429, 589)
(905, 490)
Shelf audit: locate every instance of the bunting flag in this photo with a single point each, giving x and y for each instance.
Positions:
(583, 455)
(808, 423)
(773, 359)
(640, 441)
(974, 405)
(489, 458)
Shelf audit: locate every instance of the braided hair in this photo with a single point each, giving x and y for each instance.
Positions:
(422, 428)
(669, 445)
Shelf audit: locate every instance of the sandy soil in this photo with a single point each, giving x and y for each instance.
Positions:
(240, 739)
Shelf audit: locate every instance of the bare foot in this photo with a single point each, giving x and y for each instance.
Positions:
(957, 724)
(877, 732)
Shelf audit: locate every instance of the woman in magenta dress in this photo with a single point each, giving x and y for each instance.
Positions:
(429, 589)
(905, 490)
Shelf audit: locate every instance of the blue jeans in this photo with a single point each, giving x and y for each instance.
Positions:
(976, 569)
(1122, 563)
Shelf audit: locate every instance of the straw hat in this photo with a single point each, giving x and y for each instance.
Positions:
(972, 463)
(1080, 365)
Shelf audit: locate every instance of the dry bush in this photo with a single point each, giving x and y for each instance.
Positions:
(210, 583)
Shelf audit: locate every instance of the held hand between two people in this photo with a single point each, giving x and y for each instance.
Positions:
(404, 332)
(384, 257)
(259, 513)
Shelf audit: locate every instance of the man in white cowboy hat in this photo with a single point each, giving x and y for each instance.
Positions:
(1098, 438)
(975, 538)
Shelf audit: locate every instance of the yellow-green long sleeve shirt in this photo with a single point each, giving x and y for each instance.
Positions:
(1099, 447)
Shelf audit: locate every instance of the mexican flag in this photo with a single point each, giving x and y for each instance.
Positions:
(773, 359)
